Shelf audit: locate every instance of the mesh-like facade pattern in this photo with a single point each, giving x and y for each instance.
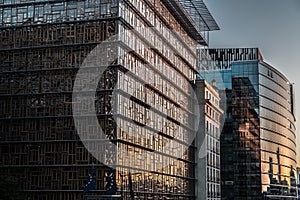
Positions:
(43, 44)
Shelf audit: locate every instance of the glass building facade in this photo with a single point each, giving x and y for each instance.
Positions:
(258, 150)
(143, 101)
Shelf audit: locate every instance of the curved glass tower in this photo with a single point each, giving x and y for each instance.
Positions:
(277, 133)
(258, 150)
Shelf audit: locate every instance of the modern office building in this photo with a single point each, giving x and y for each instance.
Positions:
(208, 184)
(142, 101)
(258, 150)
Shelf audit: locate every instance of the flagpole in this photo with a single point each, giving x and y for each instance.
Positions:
(130, 186)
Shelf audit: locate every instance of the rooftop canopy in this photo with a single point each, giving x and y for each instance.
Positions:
(200, 14)
(193, 16)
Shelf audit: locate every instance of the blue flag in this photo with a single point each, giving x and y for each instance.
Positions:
(91, 181)
(111, 182)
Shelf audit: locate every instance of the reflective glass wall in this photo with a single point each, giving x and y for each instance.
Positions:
(154, 111)
(245, 135)
(278, 147)
(273, 112)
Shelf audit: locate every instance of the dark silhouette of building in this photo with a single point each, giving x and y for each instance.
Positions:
(240, 146)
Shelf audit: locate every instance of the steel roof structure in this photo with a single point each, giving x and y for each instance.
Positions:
(194, 16)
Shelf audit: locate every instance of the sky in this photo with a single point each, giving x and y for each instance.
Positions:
(271, 25)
